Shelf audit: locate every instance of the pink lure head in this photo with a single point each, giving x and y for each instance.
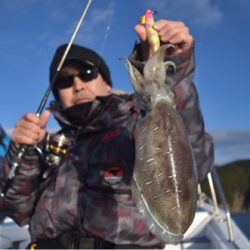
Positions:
(148, 13)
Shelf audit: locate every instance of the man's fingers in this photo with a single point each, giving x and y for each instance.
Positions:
(30, 129)
(165, 24)
(30, 126)
(170, 31)
(24, 136)
(175, 32)
(181, 39)
(44, 118)
(141, 32)
(31, 117)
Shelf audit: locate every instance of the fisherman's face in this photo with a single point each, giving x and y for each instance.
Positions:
(80, 89)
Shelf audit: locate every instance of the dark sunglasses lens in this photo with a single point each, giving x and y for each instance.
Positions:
(88, 74)
(65, 81)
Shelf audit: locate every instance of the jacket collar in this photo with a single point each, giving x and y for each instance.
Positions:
(103, 112)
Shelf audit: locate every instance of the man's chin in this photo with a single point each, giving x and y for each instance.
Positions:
(76, 113)
(84, 100)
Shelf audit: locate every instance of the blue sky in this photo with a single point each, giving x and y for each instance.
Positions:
(32, 29)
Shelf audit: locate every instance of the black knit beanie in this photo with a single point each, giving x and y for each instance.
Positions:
(81, 54)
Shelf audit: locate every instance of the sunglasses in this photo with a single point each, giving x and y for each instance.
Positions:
(87, 73)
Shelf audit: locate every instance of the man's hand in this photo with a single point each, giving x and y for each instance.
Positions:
(174, 32)
(31, 129)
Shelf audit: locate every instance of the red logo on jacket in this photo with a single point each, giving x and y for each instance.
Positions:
(113, 175)
(110, 134)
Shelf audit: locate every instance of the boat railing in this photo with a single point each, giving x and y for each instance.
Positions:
(215, 185)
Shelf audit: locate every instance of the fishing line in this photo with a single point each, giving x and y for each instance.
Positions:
(104, 42)
(107, 31)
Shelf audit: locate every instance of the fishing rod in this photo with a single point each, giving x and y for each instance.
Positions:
(23, 148)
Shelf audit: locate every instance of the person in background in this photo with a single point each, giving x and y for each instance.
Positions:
(82, 198)
(4, 143)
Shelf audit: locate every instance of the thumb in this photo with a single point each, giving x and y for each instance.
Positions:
(44, 118)
(141, 32)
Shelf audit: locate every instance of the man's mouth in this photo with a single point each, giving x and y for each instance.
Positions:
(83, 100)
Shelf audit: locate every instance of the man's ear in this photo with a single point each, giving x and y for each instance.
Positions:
(108, 88)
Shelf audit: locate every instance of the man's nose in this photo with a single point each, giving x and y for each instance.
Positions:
(78, 84)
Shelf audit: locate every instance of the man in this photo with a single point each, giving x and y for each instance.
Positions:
(85, 201)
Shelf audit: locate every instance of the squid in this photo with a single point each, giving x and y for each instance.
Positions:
(164, 181)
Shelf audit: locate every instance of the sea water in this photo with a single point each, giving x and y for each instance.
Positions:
(243, 221)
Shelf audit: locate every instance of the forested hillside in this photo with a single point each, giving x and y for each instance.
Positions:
(235, 179)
